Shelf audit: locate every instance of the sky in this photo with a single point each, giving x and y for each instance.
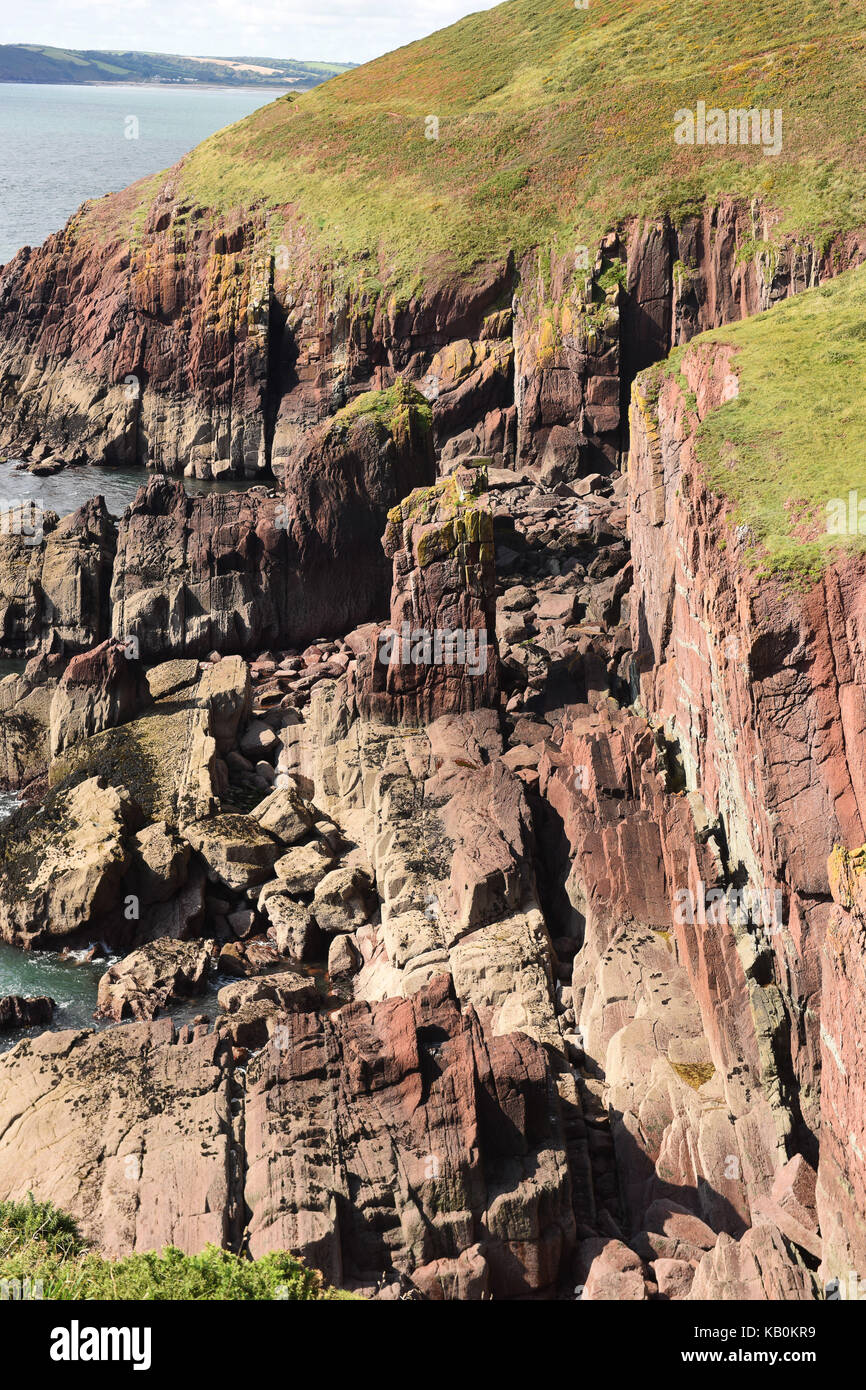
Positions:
(350, 31)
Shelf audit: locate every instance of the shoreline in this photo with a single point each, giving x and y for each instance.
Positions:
(163, 86)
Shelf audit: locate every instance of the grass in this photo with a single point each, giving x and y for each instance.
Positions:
(554, 125)
(388, 408)
(791, 448)
(41, 1244)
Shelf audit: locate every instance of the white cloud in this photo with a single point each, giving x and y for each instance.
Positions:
(336, 30)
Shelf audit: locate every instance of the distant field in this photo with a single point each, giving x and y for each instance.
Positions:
(37, 63)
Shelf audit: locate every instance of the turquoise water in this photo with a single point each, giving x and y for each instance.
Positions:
(60, 145)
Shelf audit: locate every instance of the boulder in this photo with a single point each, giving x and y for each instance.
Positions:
(159, 863)
(293, 927)
(288, 989)
(344, 958)
(170, 677)
(245, 958)
(18, 1012)
(98, 690)
(304, 867)
(152, 978)
(344, 900)
(236, 851)
(285, 815)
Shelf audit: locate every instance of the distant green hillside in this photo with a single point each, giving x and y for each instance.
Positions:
(553, 124)
(36, 63)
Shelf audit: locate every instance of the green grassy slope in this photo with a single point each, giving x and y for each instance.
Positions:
(38, 63)
(790, 450)
(555, 122)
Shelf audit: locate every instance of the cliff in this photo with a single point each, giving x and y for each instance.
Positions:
(587, 916)
(204, 319)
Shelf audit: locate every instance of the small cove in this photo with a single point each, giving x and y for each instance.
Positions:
(67, 490)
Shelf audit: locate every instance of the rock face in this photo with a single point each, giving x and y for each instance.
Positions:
(98, 690)
(228, 355)
(465, 1196)
(438, 656)
(64, 863)
(721, 653)
(494, 1027)
(470, 1193)
(139, 1174)
(17, 1012)
(237, 572)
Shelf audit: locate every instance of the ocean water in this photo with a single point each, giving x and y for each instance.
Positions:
(62, 144)
(65, 491)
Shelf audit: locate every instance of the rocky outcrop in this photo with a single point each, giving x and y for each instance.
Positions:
(25, 715)
(465, 1195)
(54, 584)
(17, 1012)
(64, 861)
(228, 354)
(143, 1118)
(98, 690)
(438, 656)
(146, 982)
(721, 653)
(469, 1195)
(238, 572)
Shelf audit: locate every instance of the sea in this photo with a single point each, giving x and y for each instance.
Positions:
(62, 144)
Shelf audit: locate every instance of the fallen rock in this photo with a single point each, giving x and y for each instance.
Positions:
(153, 977)
(289, 990)
(293, 928)
(344, 958)
(304, 867)
(285, 815)
(159, 865)
(245, 958)
(344, 900)
(18, 1012)
(237, 852)
(172, 676)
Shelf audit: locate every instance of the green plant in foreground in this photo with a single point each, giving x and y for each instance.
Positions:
(41, 1246)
